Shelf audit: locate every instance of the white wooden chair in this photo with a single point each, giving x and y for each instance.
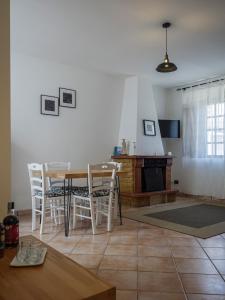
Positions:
(97, 200)
(56, 186)
(116, 188)
(42, 199)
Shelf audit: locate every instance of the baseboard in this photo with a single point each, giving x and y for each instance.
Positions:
(199, 197)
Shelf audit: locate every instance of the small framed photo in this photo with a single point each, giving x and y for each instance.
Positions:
(67, 97)
(49, 105)
(149, 127)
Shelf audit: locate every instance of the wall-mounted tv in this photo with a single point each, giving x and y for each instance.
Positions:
(169, 128)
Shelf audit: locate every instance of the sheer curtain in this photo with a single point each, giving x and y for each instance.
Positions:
(203, 139)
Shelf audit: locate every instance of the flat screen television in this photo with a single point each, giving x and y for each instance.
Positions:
(169, 128)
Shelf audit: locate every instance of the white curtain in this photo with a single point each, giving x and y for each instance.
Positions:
(203, 157)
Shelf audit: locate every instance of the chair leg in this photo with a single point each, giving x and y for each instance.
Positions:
(33, 214)
(42, 218)
(115, 212)
(74, 214)
(93, 222)
(109, 217)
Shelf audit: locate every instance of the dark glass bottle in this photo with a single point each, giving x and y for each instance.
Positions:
(2, 240)
(11, 223)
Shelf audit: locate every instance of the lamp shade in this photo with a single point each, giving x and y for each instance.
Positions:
(166, 66)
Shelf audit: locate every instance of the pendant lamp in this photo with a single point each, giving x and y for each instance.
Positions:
(166, 66)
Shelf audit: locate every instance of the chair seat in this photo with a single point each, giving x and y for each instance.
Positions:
(83, 192)
(53, 192)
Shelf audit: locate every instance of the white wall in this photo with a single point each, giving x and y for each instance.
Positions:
(196, 177)
(85, 134)
(139, 104)
(128, 121)
(147, 145)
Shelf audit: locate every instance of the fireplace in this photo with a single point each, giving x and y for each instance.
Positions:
(147, 177)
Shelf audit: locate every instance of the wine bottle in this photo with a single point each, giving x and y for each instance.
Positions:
(11, 223)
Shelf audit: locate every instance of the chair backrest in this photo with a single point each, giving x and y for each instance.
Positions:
(118, 168)
(118, 165)
(109, 183)
(55, 165)
(37, 178)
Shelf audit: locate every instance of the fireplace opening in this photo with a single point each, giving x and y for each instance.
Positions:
(153, 173)
(152, 179)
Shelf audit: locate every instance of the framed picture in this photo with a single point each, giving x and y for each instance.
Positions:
(49, 105)
(67, 97)
(149, 127)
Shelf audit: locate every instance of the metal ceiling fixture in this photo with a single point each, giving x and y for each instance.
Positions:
(166, 66)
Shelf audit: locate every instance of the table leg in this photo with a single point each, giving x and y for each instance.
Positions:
(119, 199)
(67, 204)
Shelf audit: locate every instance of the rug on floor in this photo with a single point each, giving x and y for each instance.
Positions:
(199, 219)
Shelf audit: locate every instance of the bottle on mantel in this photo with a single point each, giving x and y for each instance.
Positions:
(11, 223)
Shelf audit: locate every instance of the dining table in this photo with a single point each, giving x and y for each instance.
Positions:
(67, 177)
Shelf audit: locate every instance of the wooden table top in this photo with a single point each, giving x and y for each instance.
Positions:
(58, 278)
(61, 174)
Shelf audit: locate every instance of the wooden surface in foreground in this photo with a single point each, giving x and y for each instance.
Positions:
(58, 278)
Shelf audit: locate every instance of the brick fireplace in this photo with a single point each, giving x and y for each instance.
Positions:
(147, 178)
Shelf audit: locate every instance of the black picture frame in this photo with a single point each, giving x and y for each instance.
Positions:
(49, 105)
(149, 127)
(67, 98)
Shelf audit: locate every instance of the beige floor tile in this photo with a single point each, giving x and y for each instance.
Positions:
(171, 233)
(188, 252)
(216, 241)
(185, 242)
(90, 261)
(203, 284)
(64, 244)
(159, 282)
(124, 231)
(126, 295)
(205, 297)
(154, 251)
(220, 265)
(123, 240)
(200, 266)
(160, 296)
(116, 262)
(153, 241)
(156, 264)
(130, 250)
(156, 232)
(89, 248)
(122, 280)
(98, 238)
(215, 253)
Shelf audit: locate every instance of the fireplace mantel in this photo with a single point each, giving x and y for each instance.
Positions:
(131, 185)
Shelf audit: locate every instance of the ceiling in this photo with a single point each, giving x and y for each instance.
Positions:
(124, 36)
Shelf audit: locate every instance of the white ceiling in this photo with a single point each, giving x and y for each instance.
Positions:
(124, 36)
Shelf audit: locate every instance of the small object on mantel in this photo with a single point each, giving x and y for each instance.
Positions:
(117, 150)
(169, 153)
(124, 147)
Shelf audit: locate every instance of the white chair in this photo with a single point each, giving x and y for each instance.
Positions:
(97, 200)
(42, 198)
(116, 188)
(52, 166)
(56, 186)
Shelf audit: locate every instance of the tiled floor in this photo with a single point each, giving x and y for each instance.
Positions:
(144, 261)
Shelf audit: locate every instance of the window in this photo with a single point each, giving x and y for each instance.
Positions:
(215, 129)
